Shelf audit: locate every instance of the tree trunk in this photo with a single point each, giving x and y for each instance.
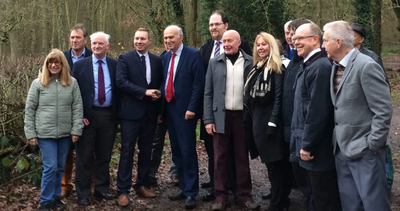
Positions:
(61, 4)
(32, 29)
(396, 10)
(54, 35)
(45, 38)
(377, 26)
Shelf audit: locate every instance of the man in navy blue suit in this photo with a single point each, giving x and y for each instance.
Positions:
(184, 88)
(139, 78)
(96, 78)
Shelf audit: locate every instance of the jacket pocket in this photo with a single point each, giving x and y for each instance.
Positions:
(351, 91)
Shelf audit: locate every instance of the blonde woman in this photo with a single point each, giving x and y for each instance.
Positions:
(263, 127)
(53, 120)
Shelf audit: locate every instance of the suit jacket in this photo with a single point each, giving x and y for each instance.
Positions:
(189, 81)
(83, 72)
(363, 108)
(207, 48)
(214, 93)
(67, 55)
(132, 85)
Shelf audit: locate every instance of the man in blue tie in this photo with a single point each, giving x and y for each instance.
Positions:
(96, 78)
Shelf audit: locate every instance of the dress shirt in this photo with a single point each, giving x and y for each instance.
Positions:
(75, 59)
(178, 54)
(148, 67)
(107, 82)
(311, 54)
(345, 59)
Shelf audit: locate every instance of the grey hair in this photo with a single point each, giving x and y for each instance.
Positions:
(180, 32)
(285, 27)
(341, 30)
(98, 34)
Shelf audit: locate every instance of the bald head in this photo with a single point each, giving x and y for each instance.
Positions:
(306, 39)
(231, 41)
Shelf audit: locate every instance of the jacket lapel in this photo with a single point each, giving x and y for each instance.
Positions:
(182, 59)
(333, 94)
(348, 69)
(138, 61)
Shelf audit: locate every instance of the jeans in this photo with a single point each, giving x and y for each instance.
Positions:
(54, 153)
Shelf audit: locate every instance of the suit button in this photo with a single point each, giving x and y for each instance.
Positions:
(336, 124)
(335, 108)
(223, 93)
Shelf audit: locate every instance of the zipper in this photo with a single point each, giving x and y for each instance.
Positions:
(56, 109)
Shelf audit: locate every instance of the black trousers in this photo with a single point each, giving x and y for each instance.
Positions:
(97, 137)
(132, 131)
(301, 177)
(208, 144)
(281, 183)
(324, 186)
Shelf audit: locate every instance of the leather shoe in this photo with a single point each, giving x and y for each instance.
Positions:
(206, 184)
(218, 206)
(190, 203)
(266, 195)
(210, 196)
(83, 202)
(123, 200)
(251, 205)
(177, 197)
(142, 191)
(105, 196)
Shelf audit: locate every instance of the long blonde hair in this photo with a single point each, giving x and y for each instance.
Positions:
(274, 60)
(65, 77)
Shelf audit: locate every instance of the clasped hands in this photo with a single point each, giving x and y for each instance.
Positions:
(153, 93)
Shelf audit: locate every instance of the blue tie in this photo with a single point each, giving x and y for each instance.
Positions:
(143, 58)
(217, 48)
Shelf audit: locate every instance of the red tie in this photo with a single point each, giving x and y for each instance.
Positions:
(101, 89)
(170, 86)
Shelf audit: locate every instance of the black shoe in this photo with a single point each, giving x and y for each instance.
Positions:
(58, 204)
(105, 196)
(266, 195)
(210, 196)
(190, 203)
(46, 206)
(177, 197)
(83, 202)
(206, 184)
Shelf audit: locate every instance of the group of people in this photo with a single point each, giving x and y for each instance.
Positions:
(315, 109)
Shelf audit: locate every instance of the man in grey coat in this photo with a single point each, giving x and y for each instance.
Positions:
(223, 119)
(362, 111)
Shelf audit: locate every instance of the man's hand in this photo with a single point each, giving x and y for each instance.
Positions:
(75, 138)
(153, 93)
(33, 142)
(189, 115)
(210, 128)
(159, 119)
(86, 122)
(306, 156)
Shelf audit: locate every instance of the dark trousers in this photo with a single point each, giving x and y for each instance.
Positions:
(300, 175)
(182, 134)
(280, 178)
(324, 186)
(208, 144)
(142, 131)
(157, 151)
(97, 137)
(233, 135)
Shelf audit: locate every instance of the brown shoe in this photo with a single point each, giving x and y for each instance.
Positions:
(251, 205)
(123, 200)
(218, 206)
(143, 191)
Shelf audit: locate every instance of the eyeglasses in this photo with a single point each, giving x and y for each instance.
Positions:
(301, 38)
(215, 24)
(54, 62)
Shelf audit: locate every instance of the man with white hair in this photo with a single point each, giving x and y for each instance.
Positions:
(362, 111)
(96, 79)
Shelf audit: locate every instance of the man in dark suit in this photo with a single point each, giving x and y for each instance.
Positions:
(362, 114)
(218, 25)
(77, 40)
(184, 87)
(96, 78)
(139, 76)
(312, 123)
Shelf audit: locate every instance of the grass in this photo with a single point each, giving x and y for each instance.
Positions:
(390, 50)
(395, 95)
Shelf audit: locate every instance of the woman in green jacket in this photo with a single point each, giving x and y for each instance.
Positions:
(53, 120)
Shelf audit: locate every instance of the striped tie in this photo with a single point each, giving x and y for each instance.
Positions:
(216, 52)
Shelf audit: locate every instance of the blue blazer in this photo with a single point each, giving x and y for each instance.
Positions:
(132, 84)
(189, 81)
(67, 55)
(83, 73)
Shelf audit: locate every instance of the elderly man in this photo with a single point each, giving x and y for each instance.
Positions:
(223, 119)
(218, 25)
(184, 88)
(312, 123)
(363, 111)
(96, 78)
(139, 76)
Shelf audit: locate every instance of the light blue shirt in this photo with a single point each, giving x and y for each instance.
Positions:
(346, 58)
(107, 82)
(75, 59)
(176, 62)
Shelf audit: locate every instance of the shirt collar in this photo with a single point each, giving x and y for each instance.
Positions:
(145, 55)
(82, 55)
(311, 54)
(179, 51)
(95, 59)
(220, 41)
(346, 58)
